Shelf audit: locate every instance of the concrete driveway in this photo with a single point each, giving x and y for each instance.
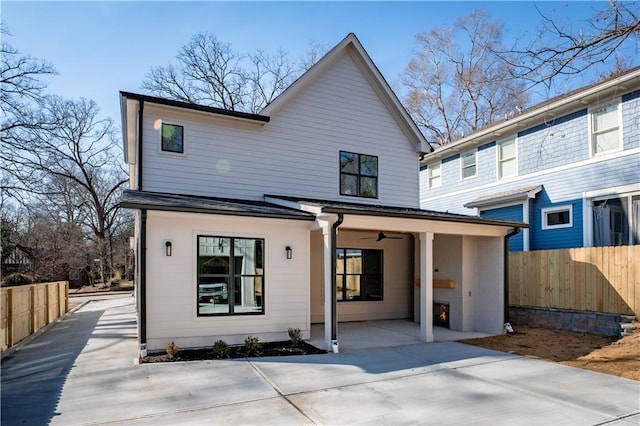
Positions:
(82, 371)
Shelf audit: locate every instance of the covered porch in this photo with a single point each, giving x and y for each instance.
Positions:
(411, 250)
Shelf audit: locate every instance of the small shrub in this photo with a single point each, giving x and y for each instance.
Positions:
(295, 335)
(15, 280)
(172, 349)
(221, 349)
(252, 345)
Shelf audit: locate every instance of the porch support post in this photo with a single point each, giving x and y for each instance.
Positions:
(426, 287)
(328, 290)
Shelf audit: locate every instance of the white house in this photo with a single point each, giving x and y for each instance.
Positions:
(248, 224)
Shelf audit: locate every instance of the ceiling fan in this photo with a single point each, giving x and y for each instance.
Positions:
(381, 236)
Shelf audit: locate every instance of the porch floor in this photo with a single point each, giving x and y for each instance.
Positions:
(358, 335)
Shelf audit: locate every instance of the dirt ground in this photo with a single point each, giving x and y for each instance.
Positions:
(619, 357)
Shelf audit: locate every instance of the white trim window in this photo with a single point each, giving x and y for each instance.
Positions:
(507, 158)
(468, 164)
(435, 175)
(605, 133)
(557, 217)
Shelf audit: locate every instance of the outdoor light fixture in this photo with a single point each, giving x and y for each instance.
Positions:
(289, 251)
(167, 246)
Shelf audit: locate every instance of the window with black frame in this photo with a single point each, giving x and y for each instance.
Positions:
(358, 175)
(230, 275)
(359, 274)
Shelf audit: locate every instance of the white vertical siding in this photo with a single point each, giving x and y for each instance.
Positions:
(297, 153)
(172, 284)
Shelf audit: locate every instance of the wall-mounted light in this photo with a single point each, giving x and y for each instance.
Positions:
(167, 246)
(289, 252)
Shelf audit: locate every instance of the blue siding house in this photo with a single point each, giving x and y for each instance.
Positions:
(569, 167)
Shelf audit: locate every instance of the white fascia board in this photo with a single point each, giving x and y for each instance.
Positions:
(130, 125)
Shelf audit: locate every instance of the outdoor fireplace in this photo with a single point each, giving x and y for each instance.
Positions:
(441, 314)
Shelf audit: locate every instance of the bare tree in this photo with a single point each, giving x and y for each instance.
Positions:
(209, 72)
(565, 47)
(21, 92)
(73, 165)
(455, 82)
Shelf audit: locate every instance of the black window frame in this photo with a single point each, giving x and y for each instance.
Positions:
(358, 175)
(165, 141)
(232, 275)
(365, 277)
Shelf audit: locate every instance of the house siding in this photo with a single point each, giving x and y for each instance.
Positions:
(512, 213)
(546, 239)
(172, 283)
(296, 153)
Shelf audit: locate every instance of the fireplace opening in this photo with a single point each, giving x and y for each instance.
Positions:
(441, 314)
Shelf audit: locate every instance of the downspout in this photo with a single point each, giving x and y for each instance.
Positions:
(140, 117)
(334, 296)
(511, 233)
(142, 292)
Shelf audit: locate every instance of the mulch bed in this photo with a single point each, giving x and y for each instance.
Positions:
(267, 349)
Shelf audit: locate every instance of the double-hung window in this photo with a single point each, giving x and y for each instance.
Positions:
(230, 275)
(507, 158)
(358, 175)
(358, 274)
(435, 175)
(605, 129)
(468, 164)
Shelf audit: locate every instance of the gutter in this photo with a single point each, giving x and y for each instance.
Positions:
(511, 233)
(334, 297)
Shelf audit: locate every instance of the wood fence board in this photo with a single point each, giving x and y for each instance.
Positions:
(601, 279)
(27, 308)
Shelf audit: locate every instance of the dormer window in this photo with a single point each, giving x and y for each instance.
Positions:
(172, 138)
(358, 175)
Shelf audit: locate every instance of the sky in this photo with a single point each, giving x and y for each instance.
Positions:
(101, 48)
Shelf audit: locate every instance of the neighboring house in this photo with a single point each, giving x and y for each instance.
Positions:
(248, 224)
(569, 167)
(16, 259)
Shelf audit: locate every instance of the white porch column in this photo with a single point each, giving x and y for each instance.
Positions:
(326, 274)
(426, 287)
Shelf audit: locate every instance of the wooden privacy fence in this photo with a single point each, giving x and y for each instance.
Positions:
(598, 279)
(25, 309)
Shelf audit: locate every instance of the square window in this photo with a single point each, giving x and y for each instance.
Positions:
(172, 138)
(557, 217)
(230, 274)
(358, 175)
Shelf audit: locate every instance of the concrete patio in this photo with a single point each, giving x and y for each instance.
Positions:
(81, 371)
(360, 335)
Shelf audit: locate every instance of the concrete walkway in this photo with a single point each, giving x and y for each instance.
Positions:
(82, 371)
